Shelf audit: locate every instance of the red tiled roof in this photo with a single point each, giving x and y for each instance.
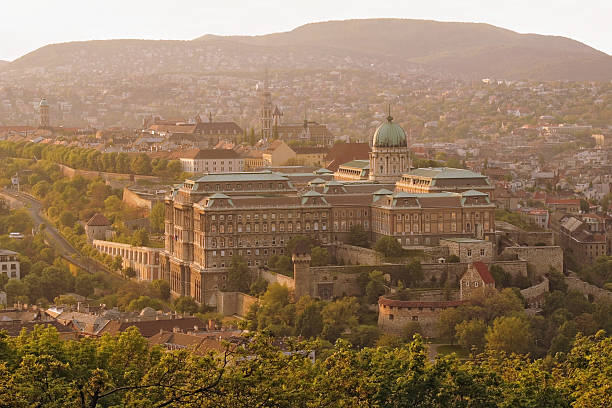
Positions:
(148, 328)
(98, 220)
(562, 201)
(341, 153)
(483, 271)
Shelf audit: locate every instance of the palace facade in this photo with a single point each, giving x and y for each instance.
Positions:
(210, 219)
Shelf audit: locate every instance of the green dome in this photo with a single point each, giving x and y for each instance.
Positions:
(389, 134)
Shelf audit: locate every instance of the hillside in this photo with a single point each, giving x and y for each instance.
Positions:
(462, 50)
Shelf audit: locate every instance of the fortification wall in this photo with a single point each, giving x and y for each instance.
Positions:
(527, 238)
(534, 295)
(575, 283)
(91, 175)
(273, 277)
(540, 257)
(234, 303)
(514, 268)
(132, 199)
(354, 255)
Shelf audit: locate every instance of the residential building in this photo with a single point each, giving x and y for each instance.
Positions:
(277, 154)
(211, 161)
(9, 264)
(469, 249)
(475, 281)
(582, 245)
(97, 227)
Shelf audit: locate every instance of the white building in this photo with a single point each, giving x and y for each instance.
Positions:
(9, 264)
(211, 161)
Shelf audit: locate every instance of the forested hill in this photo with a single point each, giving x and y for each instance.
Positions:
(462, 50)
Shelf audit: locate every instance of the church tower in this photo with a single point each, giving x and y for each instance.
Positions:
(390, 154)
(44, 113)
(266, 110)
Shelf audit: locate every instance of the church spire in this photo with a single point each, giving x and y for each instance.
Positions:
(390, 118)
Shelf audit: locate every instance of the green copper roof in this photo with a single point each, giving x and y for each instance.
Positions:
(389, 134)
(357, 164)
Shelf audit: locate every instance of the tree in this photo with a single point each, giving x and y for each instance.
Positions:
(258, 287)
(471, 334)
(238, 277)
(161, 289)
(185, 304)
(309, 322)
(388, 247)
(67, 219)
(141, 164)
(319, 256)
(129, 272)
(410, 329)
(157, 217)
(140, 238)
(510, 334)
(375, 287)
(284, 265)
(117, 263)
(339, 316)
(84, 284)
(358, 236)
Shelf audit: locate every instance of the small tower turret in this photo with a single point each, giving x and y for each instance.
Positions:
(301, 270)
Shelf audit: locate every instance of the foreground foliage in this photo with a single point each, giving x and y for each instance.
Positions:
(40, 369)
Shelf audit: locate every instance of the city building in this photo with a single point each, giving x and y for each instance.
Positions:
(97, 227)
(475, 281)
(211, 161)
(254, 214)
(469, 249)
(581, 244)
(277, 154)
(9, 264)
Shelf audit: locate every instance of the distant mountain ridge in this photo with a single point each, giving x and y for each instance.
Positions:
(463, 50)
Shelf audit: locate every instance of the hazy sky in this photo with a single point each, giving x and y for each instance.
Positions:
(26, 25)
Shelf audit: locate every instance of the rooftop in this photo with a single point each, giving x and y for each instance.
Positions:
(443, 173)
(242, 176)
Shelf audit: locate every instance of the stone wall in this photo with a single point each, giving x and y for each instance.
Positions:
(514, 268)
(134, 200)
(354, 255)
(527, 238)
(534, 295)
(394, 315)
(92, 175)
(540, 257)
(576, 284)
(234, 303)
(273, 277)
(339, 281)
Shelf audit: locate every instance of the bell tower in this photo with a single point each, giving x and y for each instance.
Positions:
(44, 113)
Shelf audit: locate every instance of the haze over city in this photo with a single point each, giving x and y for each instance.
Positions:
(28, 25)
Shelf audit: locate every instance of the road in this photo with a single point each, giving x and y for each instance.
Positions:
(52, 236)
